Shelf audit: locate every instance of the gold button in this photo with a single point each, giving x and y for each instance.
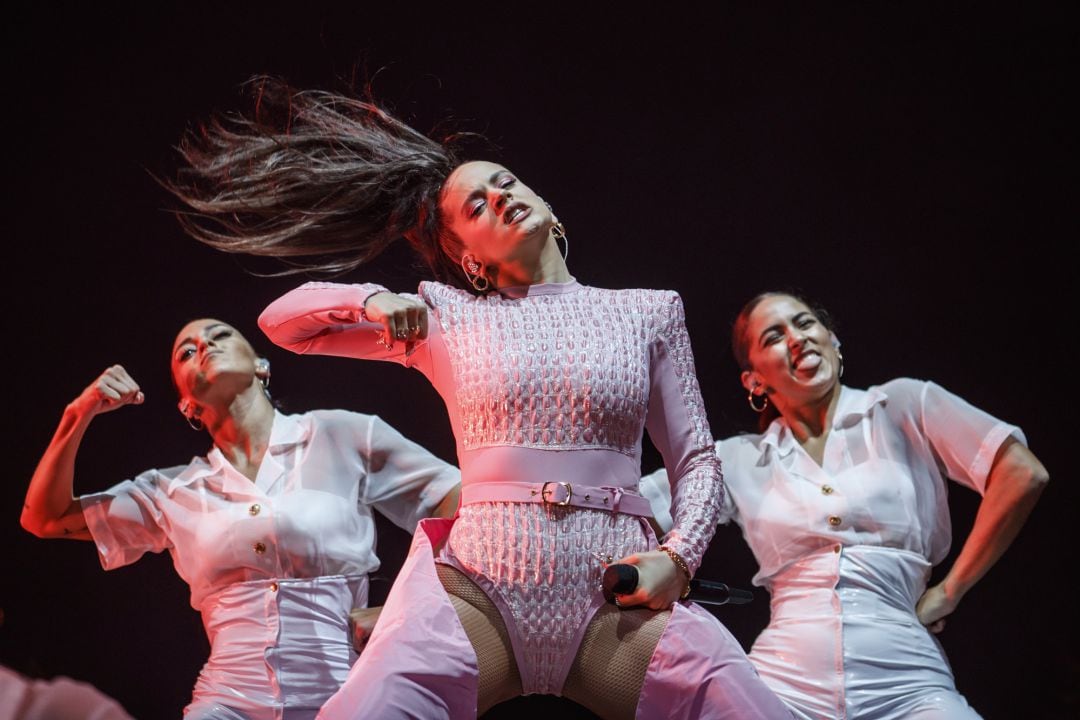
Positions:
(260, 548)
(834, 520)
(826, 490)
(273, 587)
(836, 548)
(254, 509)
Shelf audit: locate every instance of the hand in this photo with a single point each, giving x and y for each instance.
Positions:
(660, 582)
(113, 389)
(401, 318)
(361, 623)
(933, 607)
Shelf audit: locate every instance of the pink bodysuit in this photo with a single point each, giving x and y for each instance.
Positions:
(548, 387)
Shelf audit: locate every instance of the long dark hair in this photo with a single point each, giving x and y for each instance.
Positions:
(320, 180)
(740, 341)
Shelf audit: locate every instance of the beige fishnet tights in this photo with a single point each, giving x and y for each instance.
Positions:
(607, 673)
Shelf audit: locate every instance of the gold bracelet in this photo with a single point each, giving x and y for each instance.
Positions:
(681, 564)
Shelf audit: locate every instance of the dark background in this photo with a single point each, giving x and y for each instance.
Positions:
(911, 167)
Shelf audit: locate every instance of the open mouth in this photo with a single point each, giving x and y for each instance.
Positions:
(515, 212)
(811, 357)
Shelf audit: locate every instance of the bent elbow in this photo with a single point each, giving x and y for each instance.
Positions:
(34, 524)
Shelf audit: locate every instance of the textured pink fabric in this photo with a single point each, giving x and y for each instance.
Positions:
(546, 383)
(557, 366)
(540, 566)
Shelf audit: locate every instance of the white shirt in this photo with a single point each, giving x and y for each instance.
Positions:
(881, 482)
(308, 513)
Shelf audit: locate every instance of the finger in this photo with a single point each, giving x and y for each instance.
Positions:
(401, 324)
(119, 389)
(107, 390)
(121, 373)
(422, 323)
(391, 331)
(415, 313)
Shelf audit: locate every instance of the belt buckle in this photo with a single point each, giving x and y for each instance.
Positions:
(562, 503)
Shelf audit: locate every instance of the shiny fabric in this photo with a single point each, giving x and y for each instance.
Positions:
(539, 565)
(551, 382)
(843, 639)
(542, 368)
(274, 565)
(846, 548)
(278, 645)
(419, 662)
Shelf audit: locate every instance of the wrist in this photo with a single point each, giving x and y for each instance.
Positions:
(681, 567)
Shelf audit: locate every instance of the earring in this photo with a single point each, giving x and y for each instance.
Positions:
(262, 371)
(757, 408)
(472, 270)
(840, 372)
(558, 231)
(193, 419)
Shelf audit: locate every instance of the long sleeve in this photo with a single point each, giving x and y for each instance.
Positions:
(679, 428)
(322, 318)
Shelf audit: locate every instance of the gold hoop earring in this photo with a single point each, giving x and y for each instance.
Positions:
(840, 371)
(558, 231)
(472, 269)
(757, 408)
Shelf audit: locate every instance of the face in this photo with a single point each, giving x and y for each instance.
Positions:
(793, 356)
(210, 356)
(498, 218)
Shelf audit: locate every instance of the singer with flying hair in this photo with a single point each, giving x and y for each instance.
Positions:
(549, 384)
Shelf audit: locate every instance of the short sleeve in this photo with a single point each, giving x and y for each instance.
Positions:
(405, 481)
(964, 439)
(126, 520)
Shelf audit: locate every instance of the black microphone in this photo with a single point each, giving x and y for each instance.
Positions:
(622, 579)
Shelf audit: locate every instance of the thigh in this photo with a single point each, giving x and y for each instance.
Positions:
(611, 662)
(483, 623)
(942, 706)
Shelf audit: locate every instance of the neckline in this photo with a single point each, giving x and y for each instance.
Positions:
(516, 292)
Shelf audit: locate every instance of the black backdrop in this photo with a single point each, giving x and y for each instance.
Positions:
(912, 168)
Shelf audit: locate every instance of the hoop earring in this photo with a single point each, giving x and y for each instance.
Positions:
(840, 372)
(193, 419)
(558, 231)
(757, 408)
(471, 268)
(262, 370)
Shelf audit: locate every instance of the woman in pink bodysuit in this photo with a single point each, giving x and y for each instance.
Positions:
(549, 385)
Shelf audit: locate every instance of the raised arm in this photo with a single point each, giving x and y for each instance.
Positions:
(1014, 484)
(51, 509)
(359, 321)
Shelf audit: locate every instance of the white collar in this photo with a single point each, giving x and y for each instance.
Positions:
(851, 408)
(286, 431)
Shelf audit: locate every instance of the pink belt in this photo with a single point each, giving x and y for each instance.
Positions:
(615, 499)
